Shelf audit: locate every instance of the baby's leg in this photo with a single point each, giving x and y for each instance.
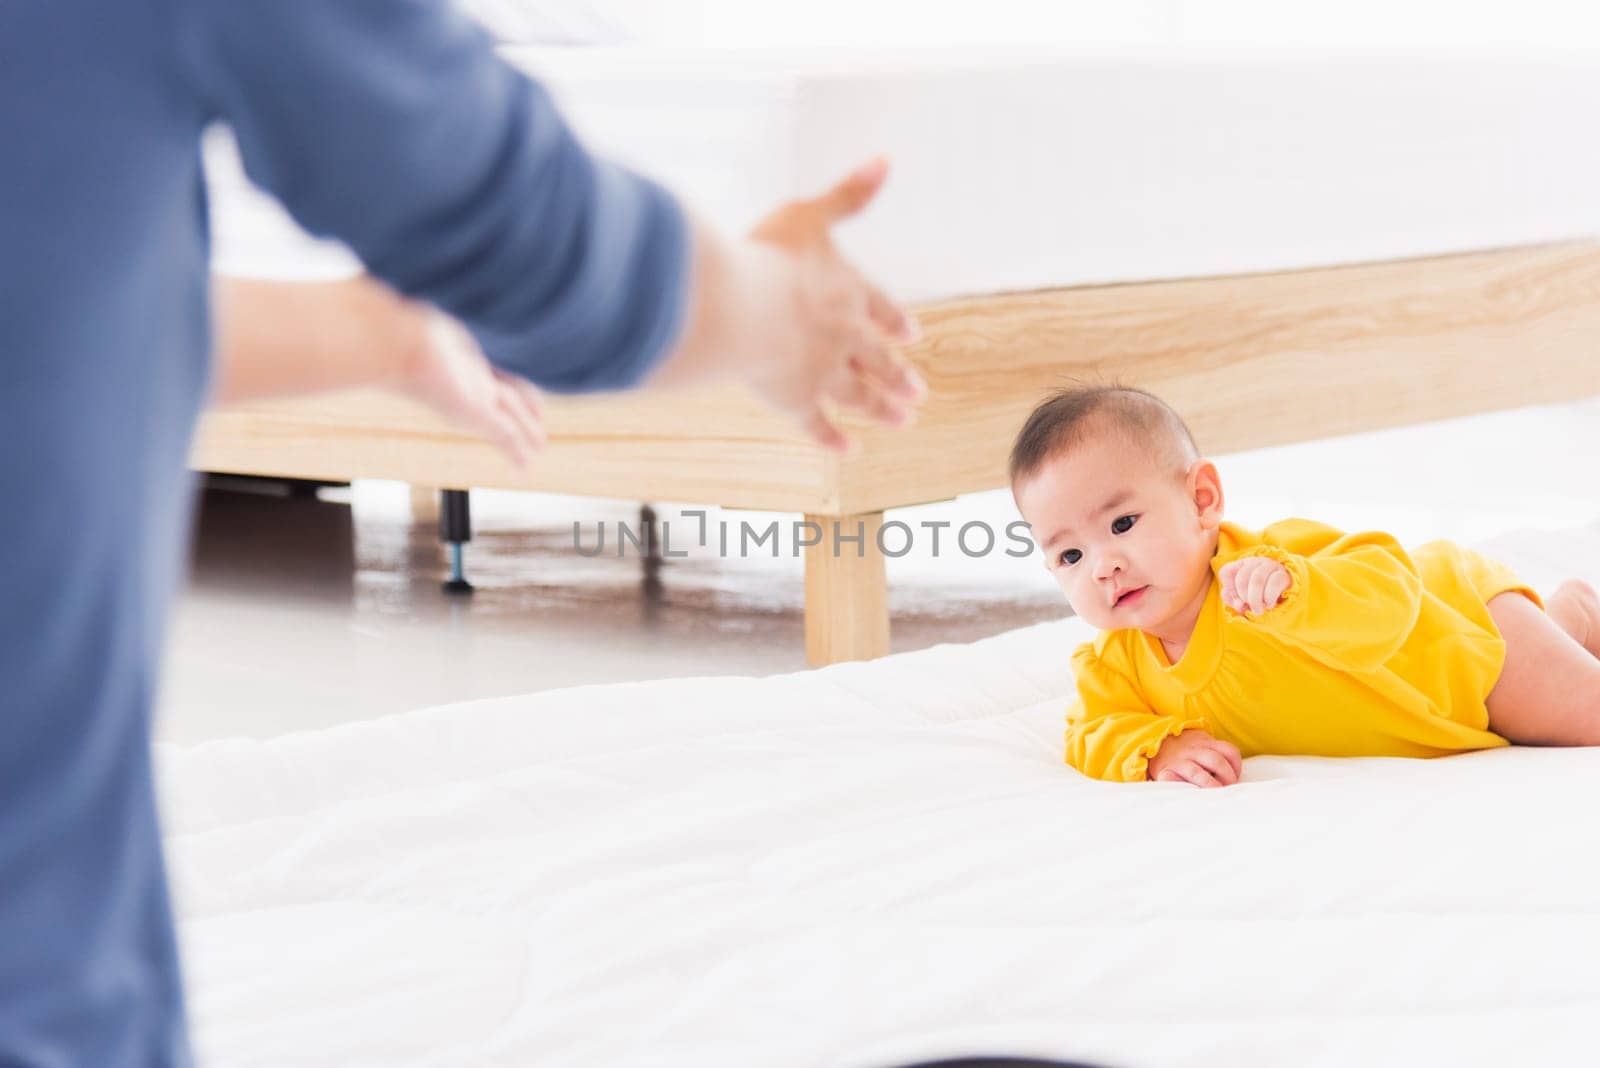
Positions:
(1549, 690)
(1576, 607)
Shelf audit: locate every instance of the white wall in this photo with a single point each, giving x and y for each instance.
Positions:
(1383, 25)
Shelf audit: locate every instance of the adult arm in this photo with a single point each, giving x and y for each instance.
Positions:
(280, 339)
(392, 125)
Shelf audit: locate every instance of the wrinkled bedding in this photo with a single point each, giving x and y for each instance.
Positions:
(868, 864)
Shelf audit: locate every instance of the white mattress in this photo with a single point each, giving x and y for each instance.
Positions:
(871, 863)
(1017, 171)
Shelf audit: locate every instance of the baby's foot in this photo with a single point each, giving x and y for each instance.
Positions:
(1576, 607)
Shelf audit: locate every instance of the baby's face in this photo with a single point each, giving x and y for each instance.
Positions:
(1129, 543)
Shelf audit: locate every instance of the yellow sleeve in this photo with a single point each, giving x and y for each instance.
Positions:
(1353, 599)
(1111, 732)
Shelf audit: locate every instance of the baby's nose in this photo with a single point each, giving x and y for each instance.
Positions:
(1106, 567)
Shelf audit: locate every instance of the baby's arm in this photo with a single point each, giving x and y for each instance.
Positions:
(1350, 602)
(1112, 732)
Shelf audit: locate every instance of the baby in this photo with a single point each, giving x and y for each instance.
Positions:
(1218, 642)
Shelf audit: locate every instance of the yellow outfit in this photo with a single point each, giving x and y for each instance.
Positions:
(1373, 651)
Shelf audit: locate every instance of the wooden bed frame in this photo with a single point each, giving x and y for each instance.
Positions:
(1249, 361)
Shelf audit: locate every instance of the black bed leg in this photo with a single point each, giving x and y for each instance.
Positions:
(455, 530)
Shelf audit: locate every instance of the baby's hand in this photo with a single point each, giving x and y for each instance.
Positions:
(1254, 584)
(1195, 757)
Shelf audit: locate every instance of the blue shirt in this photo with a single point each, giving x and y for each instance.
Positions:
(388, 124)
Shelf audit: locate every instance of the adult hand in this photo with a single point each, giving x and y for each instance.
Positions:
(1194, 756)
(843, 325)
(449, 373)
(282, 339)
(783, 312)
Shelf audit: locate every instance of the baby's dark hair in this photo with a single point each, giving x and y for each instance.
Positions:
(1070, 416)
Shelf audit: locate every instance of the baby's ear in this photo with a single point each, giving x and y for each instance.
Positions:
(1204, 487)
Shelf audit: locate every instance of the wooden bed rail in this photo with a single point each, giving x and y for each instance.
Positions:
(1249, 361)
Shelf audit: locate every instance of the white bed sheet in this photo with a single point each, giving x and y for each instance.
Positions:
(1021, 170)
(869, 863)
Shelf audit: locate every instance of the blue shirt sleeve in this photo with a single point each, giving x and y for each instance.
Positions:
(393, 126)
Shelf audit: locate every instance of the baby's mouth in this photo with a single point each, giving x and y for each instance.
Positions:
(1128, 596)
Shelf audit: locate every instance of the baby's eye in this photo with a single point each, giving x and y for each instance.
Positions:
(1123, 523)
(1070, 556)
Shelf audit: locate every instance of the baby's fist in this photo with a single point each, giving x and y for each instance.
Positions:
(1195, 757)
(1254, 584)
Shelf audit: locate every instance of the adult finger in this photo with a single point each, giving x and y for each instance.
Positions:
(853, 387)
(854, 192)
(528, 428)
(824, 432)
(531, 397)
(889, 373)
(1216, 764)
(895, 321)
(523, 404)
(503, 432)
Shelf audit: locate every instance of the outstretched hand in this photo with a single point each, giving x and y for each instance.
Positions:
(782, 313)
(843, 325)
